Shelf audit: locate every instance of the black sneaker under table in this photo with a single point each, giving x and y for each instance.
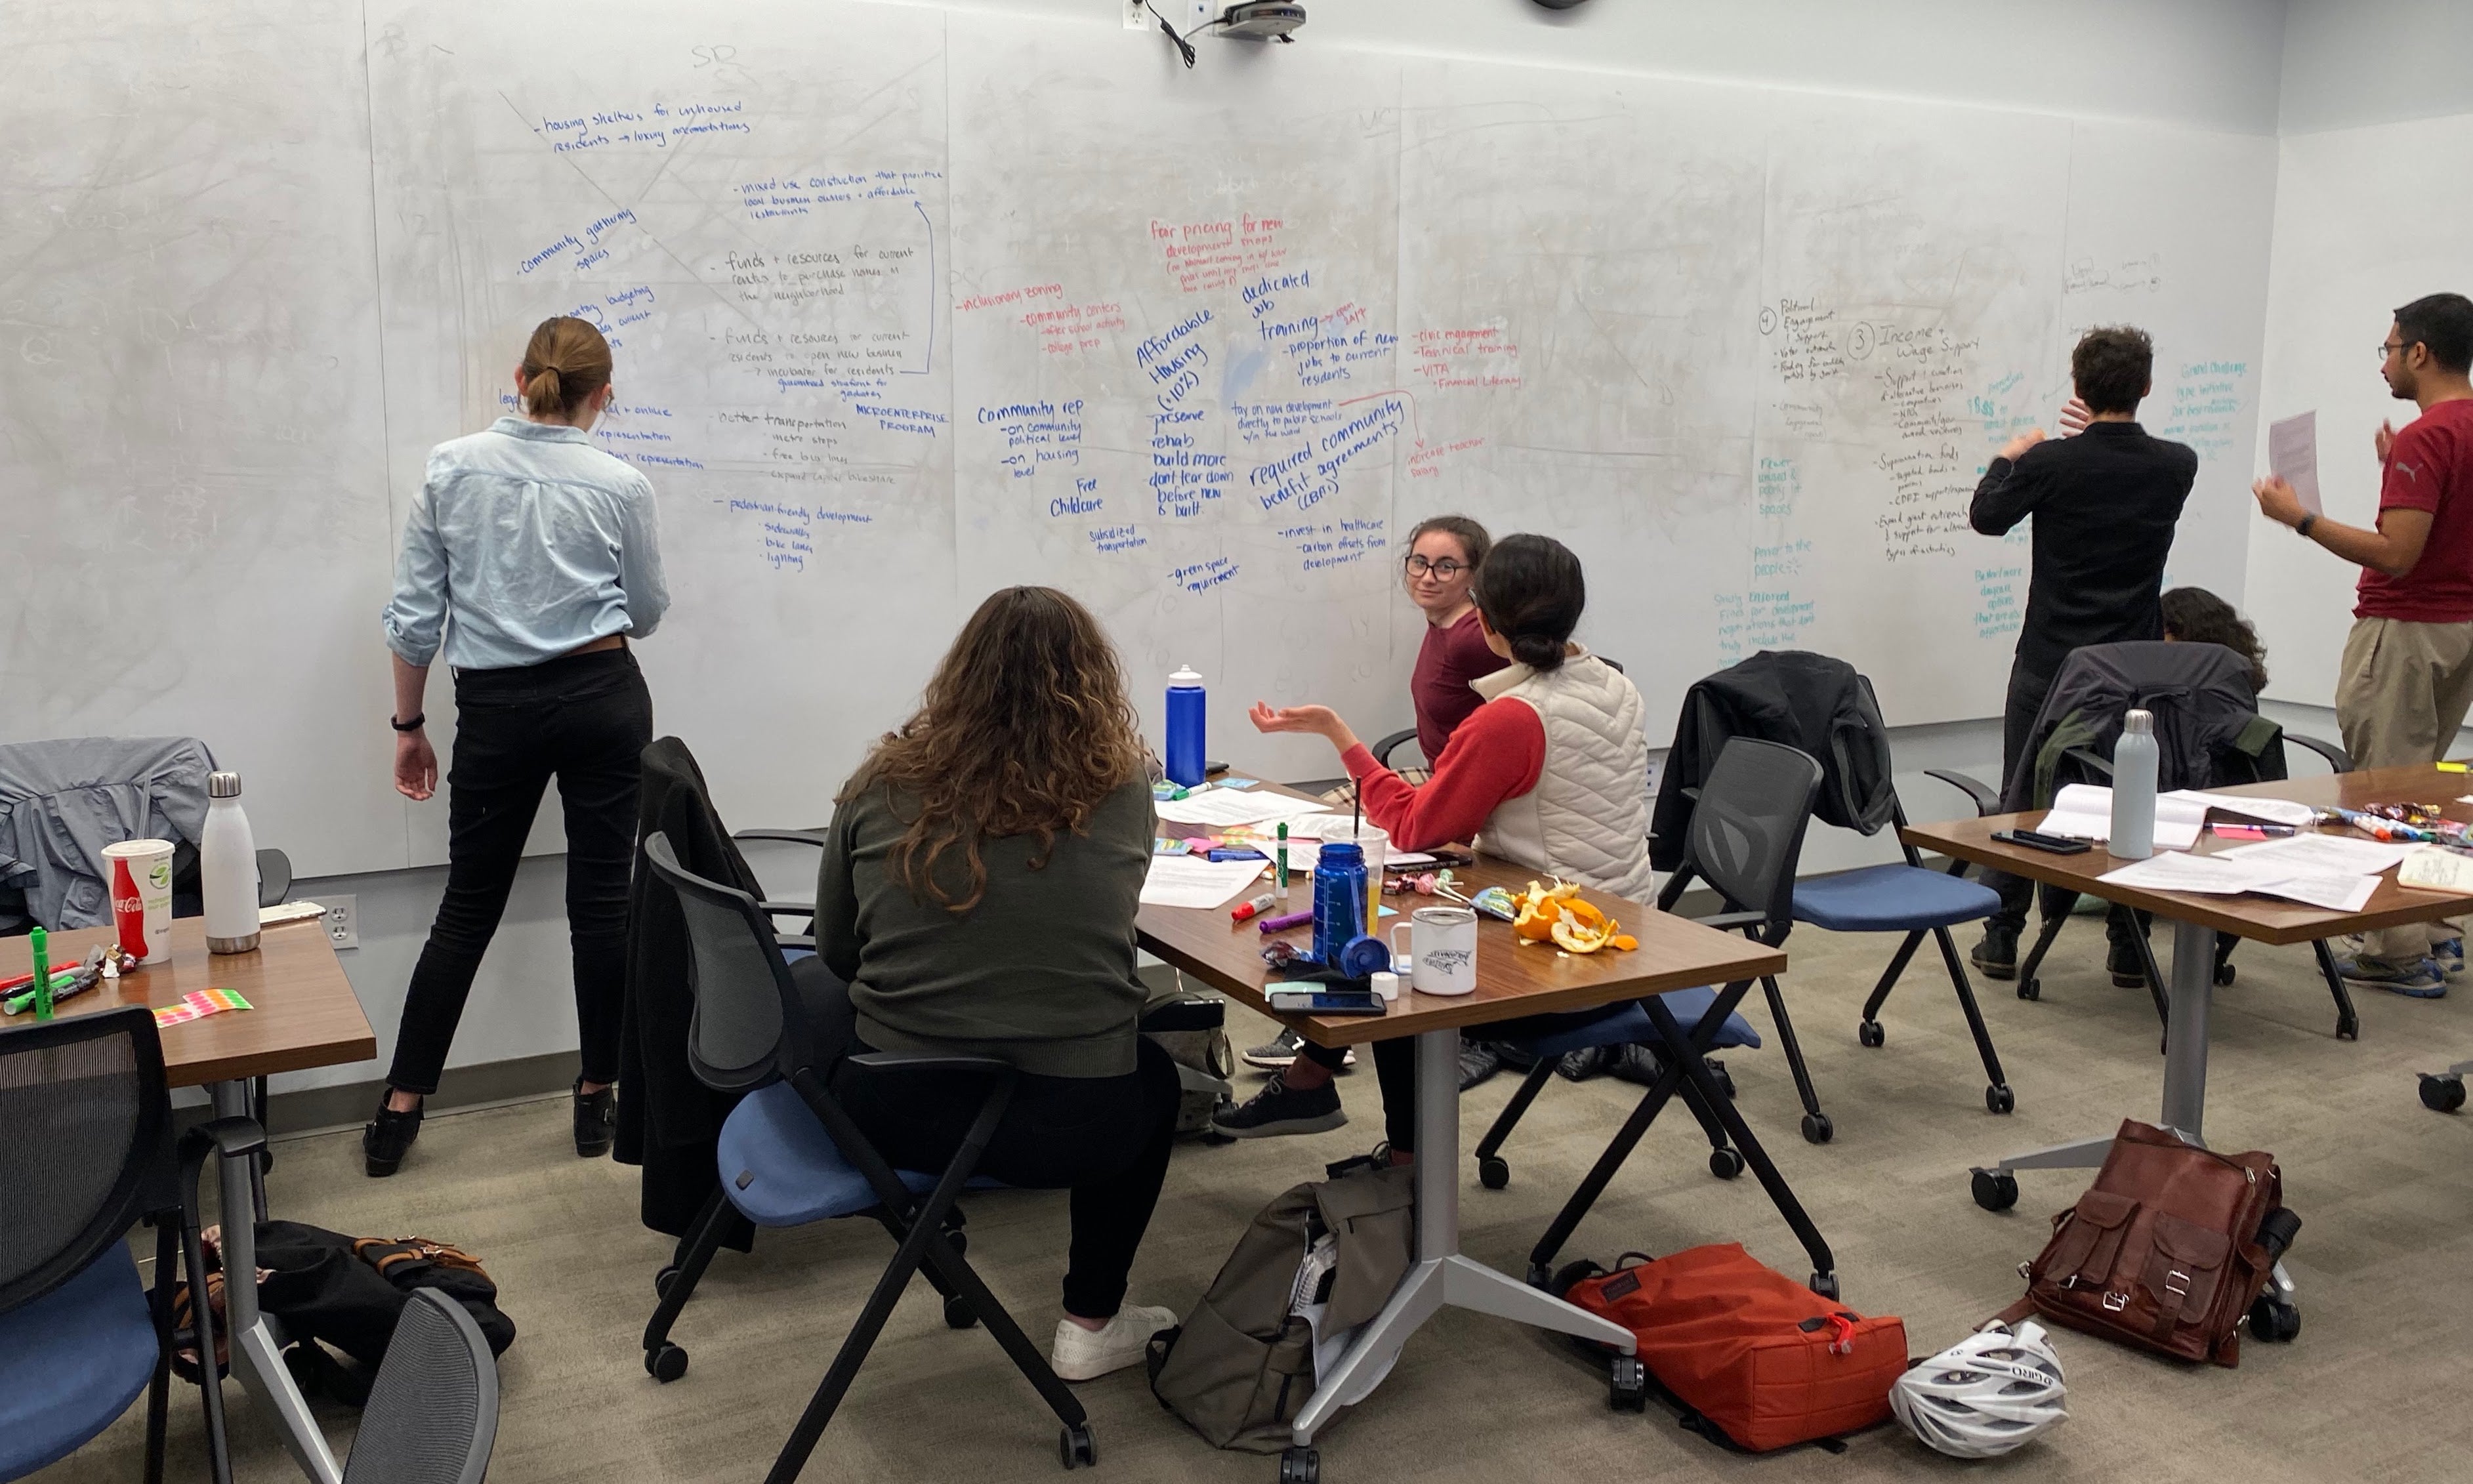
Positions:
(596, 1120)
(1996, 955)
(1279, 1109)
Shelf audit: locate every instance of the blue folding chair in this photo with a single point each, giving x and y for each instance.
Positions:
(789, 1155)
(86, 1153)
(1746, 838)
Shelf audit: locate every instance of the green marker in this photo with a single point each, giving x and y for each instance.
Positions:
(39, 942)
(1279, 882)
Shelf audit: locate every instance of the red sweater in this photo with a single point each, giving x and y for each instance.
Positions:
(1449, 658)
(1496, 753)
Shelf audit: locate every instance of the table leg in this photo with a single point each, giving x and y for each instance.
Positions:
(256, 1356)
(1440, 1276)
(2185, 1038)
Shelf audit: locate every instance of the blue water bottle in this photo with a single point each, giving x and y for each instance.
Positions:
(1185, 764)
(1339, 900)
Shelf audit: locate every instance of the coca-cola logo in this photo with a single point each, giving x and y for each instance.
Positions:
(125, 905)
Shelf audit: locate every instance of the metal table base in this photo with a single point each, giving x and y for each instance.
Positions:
(256, 1350)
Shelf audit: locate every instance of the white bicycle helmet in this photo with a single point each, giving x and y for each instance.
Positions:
(1985, 1395)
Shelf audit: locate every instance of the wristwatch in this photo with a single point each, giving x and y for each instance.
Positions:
(2301, 527)
(413, 725)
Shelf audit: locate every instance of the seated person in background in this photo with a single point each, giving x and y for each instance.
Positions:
(1554, 768)
(977, 894)
(2194, 615)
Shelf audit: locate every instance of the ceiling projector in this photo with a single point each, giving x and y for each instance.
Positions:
(1264, 19)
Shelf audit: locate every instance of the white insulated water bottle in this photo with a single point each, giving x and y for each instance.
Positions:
(2133, 788)
(228, 868)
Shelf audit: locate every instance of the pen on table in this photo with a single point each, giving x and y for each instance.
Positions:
(1280, 878)
(2451, 767)
(39, 943)
(1244, 910)
(1281, 925)
(2251, 832)
(1227, 853)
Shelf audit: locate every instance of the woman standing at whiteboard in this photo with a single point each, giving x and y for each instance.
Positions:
(536, 555)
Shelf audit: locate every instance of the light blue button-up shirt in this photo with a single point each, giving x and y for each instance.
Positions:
(533, 541)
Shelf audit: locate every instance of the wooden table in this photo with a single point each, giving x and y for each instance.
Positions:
(2196, 922)
(303, 1014)
(1674, 953)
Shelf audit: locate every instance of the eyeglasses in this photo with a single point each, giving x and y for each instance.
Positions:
(1445, 570)
(2388, 347)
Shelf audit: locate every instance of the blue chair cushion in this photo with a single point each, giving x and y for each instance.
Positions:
(781, 1169)
(1892, 899)
(72, 1361)
(1626, 1024)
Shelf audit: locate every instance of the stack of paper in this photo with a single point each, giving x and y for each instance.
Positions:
(2222, 875)
(1185, 881)
(2083, 811)
(1227, 806)
(2275, 811)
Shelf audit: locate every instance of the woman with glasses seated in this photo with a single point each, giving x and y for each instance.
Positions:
(1552, 767)
(977, 894)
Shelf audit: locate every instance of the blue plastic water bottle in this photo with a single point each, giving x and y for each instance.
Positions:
(1185, 764)
(1339, 900)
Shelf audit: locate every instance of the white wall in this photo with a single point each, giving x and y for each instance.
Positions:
(2210, 63)
(2350, 62)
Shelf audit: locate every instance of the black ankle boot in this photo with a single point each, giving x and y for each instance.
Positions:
(596, 1120)
(389, 1138)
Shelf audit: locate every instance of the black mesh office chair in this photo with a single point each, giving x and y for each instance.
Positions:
(1745, 839)
(772, 1031)
(433, 1412)
(86, 1153)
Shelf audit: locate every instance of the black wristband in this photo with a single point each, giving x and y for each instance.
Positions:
(413, 725)
(2301, 527)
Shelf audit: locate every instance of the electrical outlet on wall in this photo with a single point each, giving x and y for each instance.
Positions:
(343, 919)
(1187, 15)
(1138, 15)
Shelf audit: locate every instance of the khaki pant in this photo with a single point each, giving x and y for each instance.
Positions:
(2400, 699)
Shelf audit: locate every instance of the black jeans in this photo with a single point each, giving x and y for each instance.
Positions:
(587, 719)
(2026, 693)
(1106, 1138)
(1395, 1066)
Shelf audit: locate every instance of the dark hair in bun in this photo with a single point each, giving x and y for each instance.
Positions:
(1532, 592)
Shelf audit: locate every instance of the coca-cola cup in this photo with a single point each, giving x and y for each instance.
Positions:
(138, 875)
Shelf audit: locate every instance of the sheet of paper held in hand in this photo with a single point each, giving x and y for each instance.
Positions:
(1183, 881)
(2221, 876)
(2293, 454)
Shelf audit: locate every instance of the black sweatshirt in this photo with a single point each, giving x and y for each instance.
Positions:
(2105, 503)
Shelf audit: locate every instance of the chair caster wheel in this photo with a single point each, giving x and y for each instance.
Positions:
(1868, 1033)
(2030, 989)
(2273, 1322)
(1545, 1280)
(2442, 1092)
(1725, 1163)
(1824, 1284)
(666, 1362)
(2224, 974)
(2348, 1028)
(958, 1312)
(662, 1280)
(1301, 1465)
(1077, 1447)
(1493, 1173)
(1999, 1098)
(1628, 1385)
(1725, 1079)
(1995, 1189)
(1818, 1129)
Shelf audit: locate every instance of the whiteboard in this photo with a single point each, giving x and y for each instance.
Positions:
(909, 305)
(2344, 262)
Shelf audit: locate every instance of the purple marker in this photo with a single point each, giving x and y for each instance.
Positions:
(1281, 924)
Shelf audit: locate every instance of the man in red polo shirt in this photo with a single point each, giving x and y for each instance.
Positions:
(2408, 669)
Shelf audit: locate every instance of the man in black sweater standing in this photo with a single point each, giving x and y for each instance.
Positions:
(2104, 502)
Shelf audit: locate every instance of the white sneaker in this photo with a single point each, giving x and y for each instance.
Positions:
(1082, 1354)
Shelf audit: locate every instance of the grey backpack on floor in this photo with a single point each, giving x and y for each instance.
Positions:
(1241, 1365)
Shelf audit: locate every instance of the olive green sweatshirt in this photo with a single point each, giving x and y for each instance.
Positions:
(1039, 973)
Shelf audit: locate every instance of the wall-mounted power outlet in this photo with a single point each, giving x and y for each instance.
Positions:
(1138, 15)
(343, 919)
(1187, 16)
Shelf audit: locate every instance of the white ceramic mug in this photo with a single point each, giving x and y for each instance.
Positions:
(1442, 949)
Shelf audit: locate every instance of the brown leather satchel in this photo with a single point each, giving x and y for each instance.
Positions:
(2164, 1250)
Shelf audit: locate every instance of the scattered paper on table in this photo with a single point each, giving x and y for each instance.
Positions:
(2293, 455)
(1184, 881)
(1226, 806)
(2434, 868)
(2207, 876)
(2335, 891)
(2083, 811)
(2311, 854)
(2275, 811)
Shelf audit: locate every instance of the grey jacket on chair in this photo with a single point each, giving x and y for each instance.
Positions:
(62, 801)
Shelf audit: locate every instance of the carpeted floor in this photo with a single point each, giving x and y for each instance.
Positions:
(2373, 1389)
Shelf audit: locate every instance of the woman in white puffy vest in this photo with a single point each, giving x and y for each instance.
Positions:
(1551, 771)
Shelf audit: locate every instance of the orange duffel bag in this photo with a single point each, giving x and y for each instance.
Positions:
(1760, 1357)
